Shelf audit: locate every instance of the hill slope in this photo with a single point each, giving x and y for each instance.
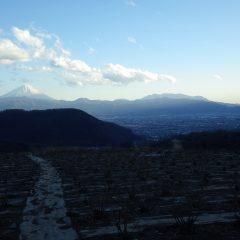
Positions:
(60, 127)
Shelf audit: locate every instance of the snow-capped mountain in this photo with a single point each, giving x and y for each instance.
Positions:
(28, 91)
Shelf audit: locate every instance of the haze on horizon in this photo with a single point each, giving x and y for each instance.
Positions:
(121, 49)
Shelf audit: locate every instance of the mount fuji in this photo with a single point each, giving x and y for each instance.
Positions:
(28, 91)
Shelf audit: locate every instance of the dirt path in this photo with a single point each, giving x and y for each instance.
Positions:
(45, 212)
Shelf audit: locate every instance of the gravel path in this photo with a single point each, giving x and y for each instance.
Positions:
(45, 214)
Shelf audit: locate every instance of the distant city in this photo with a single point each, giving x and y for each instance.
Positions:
(164, 126)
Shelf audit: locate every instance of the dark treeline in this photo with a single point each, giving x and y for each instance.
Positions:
(12, 147)
(204, 140)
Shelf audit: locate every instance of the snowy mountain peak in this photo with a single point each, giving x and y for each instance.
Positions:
(26, 90)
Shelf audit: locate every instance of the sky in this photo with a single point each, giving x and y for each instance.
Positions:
(111, 49)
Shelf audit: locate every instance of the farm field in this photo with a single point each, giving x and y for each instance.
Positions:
(144, 193)
(124, 192)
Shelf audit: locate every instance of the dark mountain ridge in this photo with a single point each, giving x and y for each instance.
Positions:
(60, 127)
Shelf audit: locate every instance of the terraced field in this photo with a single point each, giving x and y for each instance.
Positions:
(123, 193)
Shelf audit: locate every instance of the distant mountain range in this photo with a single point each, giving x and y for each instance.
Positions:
(60, 127)
(174, 96)
(28, 98)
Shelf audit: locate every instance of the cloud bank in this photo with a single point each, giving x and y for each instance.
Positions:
(10, 53)
(25, 37)
(28, 50)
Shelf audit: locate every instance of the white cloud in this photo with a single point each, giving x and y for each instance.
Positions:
(131, 3)
(25, 37)
(218, 77)
(71, 79)
(112, 74)
(59, 46)
(58, 60)
(84, 78)
(167, 77)
(121, 75)
(132, 40)
(10, 53)
(35, 68)
(69, 64)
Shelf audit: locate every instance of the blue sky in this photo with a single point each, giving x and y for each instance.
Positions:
(108, 49)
